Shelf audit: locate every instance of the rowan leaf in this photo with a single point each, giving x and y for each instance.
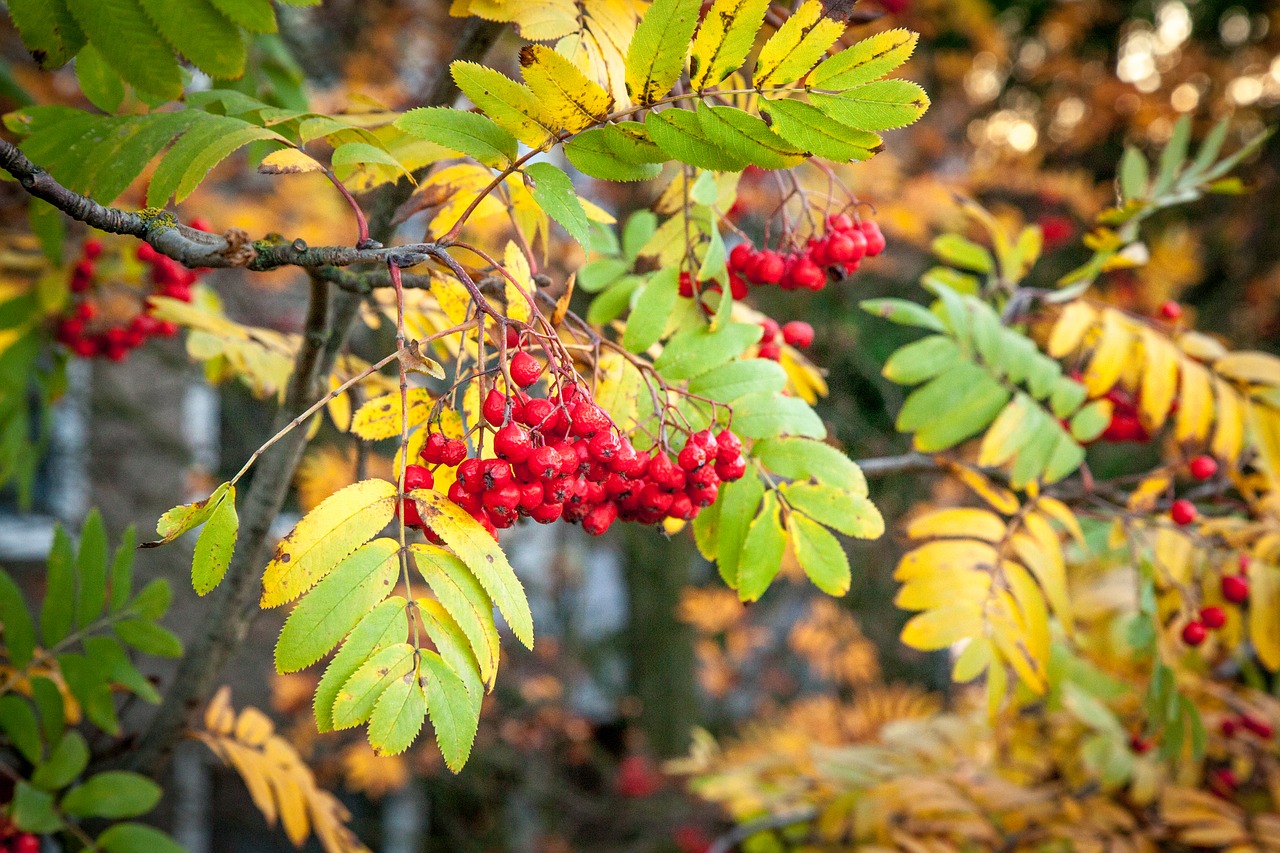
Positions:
(864, 62)
(16, 624)
(256, 16)
(181, 519)
(113, 794)
(737, 379)
(472, 134)
(511, 105)
(567, 99)
(398, 715)
(130, 44)
(653, 307)
(921, 360)
(656, 54)
(695, 351)
(382, 416)
(725, 37)
(356, 700)
(386, 624)
(799, 43)
(341, 523)
(331, 610)
(747, 138)
(57, 611)
(762, 550)
(810, 129)
(466, 602)
(216, 544)
(48, 31)
(451, 713)
(819, 554)
(289, 161)
(595, 152)
(201, 33)
(883, 105)
(681, 136)
(767, 415)
(98, 81)
(802, 458)
(136, 838)
(480, 553)
(554, 193)
(738, 503)
(850, 513)
(454, 648)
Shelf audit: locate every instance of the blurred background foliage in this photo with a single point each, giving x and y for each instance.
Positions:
(1032, 105)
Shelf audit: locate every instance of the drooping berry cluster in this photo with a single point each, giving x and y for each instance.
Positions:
(1235, 589)
(835, 254)
(85, 330)
(796, 333)
(563, 458)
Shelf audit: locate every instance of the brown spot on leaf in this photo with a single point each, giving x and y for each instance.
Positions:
(527, 56)
(285, 557)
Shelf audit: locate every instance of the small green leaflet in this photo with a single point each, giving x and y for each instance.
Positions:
(747, 138)
(356, 700)
(181, 519)
(130, 44)
(810, 129)
(864, 62)
(850, 513)
(652, 310)
(98, 80)
(216, 544)
(16, 625)
(386, 624)
(681, 136)
(595, 152)
(819, 554)
(510, 104)
(738, 503)
(113, 794)
(737, 379)
(802, 459)
(398, 715)
(450, 710)
(657, 51)
(137, 838)
(883, 105)
(554, 193)
(468, 133)
(48, 30)
(198, 31)
(762, 549)
(766, 414)
(466, 602)
(695, 351)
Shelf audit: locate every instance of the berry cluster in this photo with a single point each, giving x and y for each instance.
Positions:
(836, 253)
(562, 457)
(1235, 589)
(796, 333)
(1230, 726)
(88, 334)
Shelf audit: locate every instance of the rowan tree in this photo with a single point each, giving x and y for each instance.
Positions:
(539, 347)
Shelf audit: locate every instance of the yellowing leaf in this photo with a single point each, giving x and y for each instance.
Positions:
(1110, 355)
(1043, 556)
(326, 535)
(999, 498)
(1228, 433)
(725, 37)
(1159, 378)
(381, 417)
(796, 46)
(1062, 514)
(1258, 368)
(959, 523)
(465, 601)
(181, 519)
(565, 97)
(940, 628)
(1195, 404)
(289, 161)
(1076, 319)
(1264, 612)
(517, 266)
(339, 407)
(1143, 499)
(946, 555)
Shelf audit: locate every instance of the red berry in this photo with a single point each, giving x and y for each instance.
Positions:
(809, 275)
(739, 255)
(544, 462)
(433, 448)
(417, 477)
(546, 513)
(471, 475)
(771, 268)
(839, 222)
(1171, 311)
(589, 419)
(512, 443)
(92, 248)
(1227, 727)
(1235, 588)
(692, 457)
(1139, 744)
(841, 248)
(525, 369)
(730, 470)
(686, 285)
(798, 334)
(494, 407)
(531, 495)
(728, 446)
(771, 328)
(1213, 617)
(1203, 467)
(1183, 512)
(1194, 633)
(604, 446)
(738, 287)
(598, 520)
(770, 350)
(682, 507)
(501, 501)
(455, 450)
(26, 843)
(875, 238)
(1259, 727)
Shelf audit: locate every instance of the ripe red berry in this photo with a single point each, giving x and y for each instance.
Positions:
(839, 222)
(525, 369)
(598, 520)
(770, 350)
(546, 513)
(809, 275)
(512, 443)
(544, 462)
(798, 334)
(604, 446)
(1203, 467)
(738, 287)
(417, 477)
(455, 450)
(875, 237)
(1194, 633)
(1139, 744)
(1213, 617)
(433, 448)
(1171, 311)
(692, 457)
(728, 446)
(739, 255)
(494, 407)
(1183, 512)
(1258, 726)
(501, 501)
(1228, 727)
(471, 475)
(771, 328)
(26, 843)
(770, 269)
(92, 248)
(1235, 588)
(686, 285)
(732, 469)
(841, 248)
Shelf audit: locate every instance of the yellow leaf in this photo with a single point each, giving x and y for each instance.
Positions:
(802, 377)
(452, 189)
(1144, 498)
(1173, 551)
(1228, 433)
(289, 161)
(481, 554)
(537, 20)
(1265, 429)
(1195, 404)
(1264, 612)
(619, 385)
(1110, 355)
(1062, 514)
(1009, 634)
(797, 45)
(965, 523)
(517, 266)
(596, 213)
(219, 717)
(1006, 436)
(1201, 347)
(249, 765)
(453, 298)
(930, 591)
(1035, 615)
(326, 535)
(1051, 570)
(1258, 368)
(339, 407)
(381, 417)
(946, 555)
(938, 629)
(998, 497)
(725, 36)
(1159, 377)
(253, 727)
(1076, 319)
(566, 98)
(973, 661)
(291, 801)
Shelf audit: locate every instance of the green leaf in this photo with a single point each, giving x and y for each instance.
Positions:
(921, 360)
(216, 544)
(810, 129)
(203, 36)
(1064, 459)
(761, 550)
(652, 309)
(962, 412)
(866, 61)
(959, 252)
(725, 37)
(819, 554)
(355, 156)
(1173, 155)
(99, 82)
(120, 158)
(1133, 175)
(600, 273)
(32, 810)
(91, 565)
(852, 514)
(594, 152)
(66, 761)
(334, 607)
(199, 150)
(256, 16)
(130, 44)
(360, 694)
(706, 530)
(468, 133)
(152, 601)
(398, 716)
(52, 712)
(91, 688)
(386, 624)
(745, 137)
(631, 144)
(554, 193)
(48, 30)
(19, 630)
(451, 711)
(137, 838)
(883, 105)
(639, 228)
(903, 313)
(18, 721)
(149, 638)
(610, 304)
(737, 379)
(113, 794)
(738, 501)
(655, 56)
(769, 415)
(466, 602)
(453, 647)
(695, 351)
(802, 459)
(112, 664)
(949, 390)
(57, 612)
(121, 574)
(681, 136)
(1091, 421)
(510, 104)
(481, 554)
